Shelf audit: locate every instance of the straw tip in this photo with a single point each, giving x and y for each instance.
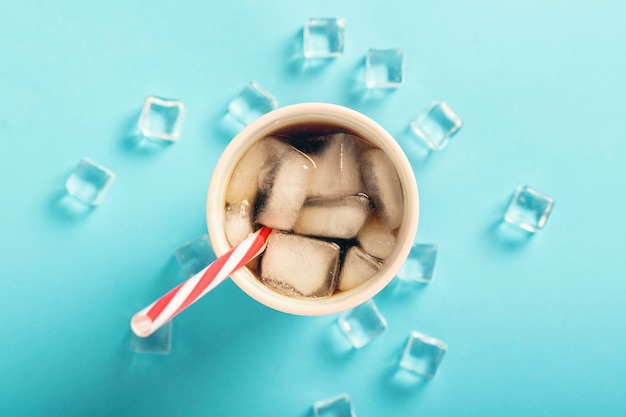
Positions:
(141, 325)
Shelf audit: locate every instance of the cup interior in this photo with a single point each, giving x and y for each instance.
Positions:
(319, 115)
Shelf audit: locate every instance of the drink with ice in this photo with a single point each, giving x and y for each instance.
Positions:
(334, 200)
(341, 223)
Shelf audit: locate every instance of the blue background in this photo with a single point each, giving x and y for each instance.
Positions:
(534, 327)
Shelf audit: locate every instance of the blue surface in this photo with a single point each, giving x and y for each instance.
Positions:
(533, 327)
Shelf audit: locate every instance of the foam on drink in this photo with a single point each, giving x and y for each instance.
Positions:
(329, 195)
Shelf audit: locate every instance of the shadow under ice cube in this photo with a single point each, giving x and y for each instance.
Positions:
(529, 209)
(422, 355)
(300, 266)
(339, 406)
(89, 182)
(362, 324)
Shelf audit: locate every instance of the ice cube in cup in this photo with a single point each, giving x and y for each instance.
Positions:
(340, 218)
(383, 186)
(300, 266)
(376, 239)
(358, 267)
(244, 181)
(283, 187)
(238, 221)
(336, 170)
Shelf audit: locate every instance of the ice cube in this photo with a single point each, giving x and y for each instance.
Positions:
(420, 264)
(423, 354)
(339, 406)
(300, 266)
(362, 324)
(384, 68)
(383, 186)
(244, 182)
(251, 103)
(323, 38)
(284, 186)
(195, 255)
(357, 268)
(89, 182)
(376, 239)
(336, 170)
(161, 119)
(340, 218)
(238, 222)
(529, 209)
(436, 125)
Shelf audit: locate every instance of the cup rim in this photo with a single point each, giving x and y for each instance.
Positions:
(357, 123)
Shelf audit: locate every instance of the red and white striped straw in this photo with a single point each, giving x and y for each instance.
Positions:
(148, 320)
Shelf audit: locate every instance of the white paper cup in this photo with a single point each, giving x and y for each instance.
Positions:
(314, 113)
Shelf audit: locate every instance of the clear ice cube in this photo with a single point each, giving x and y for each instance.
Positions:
(358, 267)
(159, 342)
(420, 264)
(238, 222)
(89, 182)
(339, 406)
(529, 209)
(195, 255)
(161, 118)
(436, 125)
(362, 324)
(376, 239)
(383, 186)
(340, 218)
(283, 187)
(300, 266)
(336, 171)
(251, 103)
(323, 38)
(384, 68)
(423, 354)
